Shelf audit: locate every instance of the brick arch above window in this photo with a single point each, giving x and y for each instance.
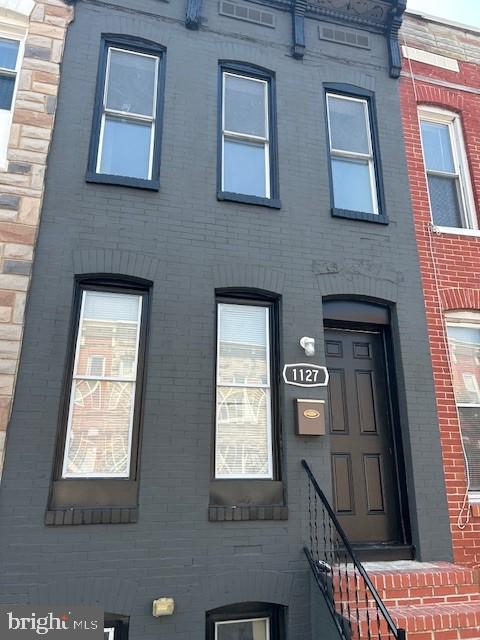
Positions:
(457, 299)
(439, 97)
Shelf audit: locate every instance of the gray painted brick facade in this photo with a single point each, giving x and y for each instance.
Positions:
(189, 243)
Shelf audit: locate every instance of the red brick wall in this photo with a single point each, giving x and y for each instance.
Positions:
(457, 265)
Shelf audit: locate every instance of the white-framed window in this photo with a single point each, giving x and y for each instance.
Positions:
(245, 135)
(250, 628)
(11, 55)
(449, 186)
(243, 438)
(108, 633)
(128, 120)
(102, 398)
(463, 330)
(351, 154)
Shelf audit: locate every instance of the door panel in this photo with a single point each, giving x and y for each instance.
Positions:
(363, 461)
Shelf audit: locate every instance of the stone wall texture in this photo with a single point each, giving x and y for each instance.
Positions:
(22, 180)
(449, 262)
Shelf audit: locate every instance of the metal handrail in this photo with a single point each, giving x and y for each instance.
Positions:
(398, 633)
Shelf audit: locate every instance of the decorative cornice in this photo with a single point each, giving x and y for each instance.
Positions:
(192, 17)
(377, 16)
(393, 46)
(298, 26)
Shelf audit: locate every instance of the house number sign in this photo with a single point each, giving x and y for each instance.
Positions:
(301, 374)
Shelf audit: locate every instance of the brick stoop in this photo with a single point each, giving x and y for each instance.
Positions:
(431, 601)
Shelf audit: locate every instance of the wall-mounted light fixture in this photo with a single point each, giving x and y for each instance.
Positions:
(163, 607)
(308, 344)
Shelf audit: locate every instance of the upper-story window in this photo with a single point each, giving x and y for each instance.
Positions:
(463, 330)
(248, 149)
(10, 59)
(125, 146)
(352, 155)
(449, 187)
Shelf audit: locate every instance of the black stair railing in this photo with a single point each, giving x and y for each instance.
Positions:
(355, 605)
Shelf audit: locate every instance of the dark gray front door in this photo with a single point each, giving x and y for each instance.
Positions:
(364, 476)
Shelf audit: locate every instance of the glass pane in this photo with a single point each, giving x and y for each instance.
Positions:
(470, 425)
(351, 185)
(464, 343)
(437, 146)
(131, 83)
(98, 441)
(243, 426)
(126, 148)
(244, 168)
(245, 106)
(108, 334)
(8, 53)
(242, 345)
(348, 129)
(242, 630)
(7, 86)
(444, 200)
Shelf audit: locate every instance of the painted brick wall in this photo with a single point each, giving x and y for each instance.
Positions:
(450, 262)
(189, 243)
(22, 179)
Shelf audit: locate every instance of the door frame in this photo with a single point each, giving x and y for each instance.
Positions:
(375, 317)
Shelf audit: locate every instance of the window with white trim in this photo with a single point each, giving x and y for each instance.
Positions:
(243, 438)
(128, 120)
(246, 621)
(352, 159)
(449, 186)
(11, 53)
(251, 629)
(463, 329)
(102, 398)
(246, 131)
(126, 132)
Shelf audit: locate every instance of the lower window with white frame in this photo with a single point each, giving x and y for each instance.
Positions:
(243, 438)
(115, 627)
(246, 621)
(96, 462)
(463, 329)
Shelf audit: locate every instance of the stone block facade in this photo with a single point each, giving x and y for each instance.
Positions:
(22, 177)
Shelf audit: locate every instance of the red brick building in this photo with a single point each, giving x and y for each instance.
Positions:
(440, 93)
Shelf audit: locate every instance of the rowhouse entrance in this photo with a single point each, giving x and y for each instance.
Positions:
(364, 470)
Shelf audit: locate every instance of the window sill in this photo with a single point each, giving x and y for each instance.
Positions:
(122, 181)
(242, 514)
(359, 215)
(78, 516)
(457, 231)
(246, 500)
(244, 199)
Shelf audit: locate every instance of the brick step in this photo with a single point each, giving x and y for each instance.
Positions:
(426, 622)
(406, 583)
